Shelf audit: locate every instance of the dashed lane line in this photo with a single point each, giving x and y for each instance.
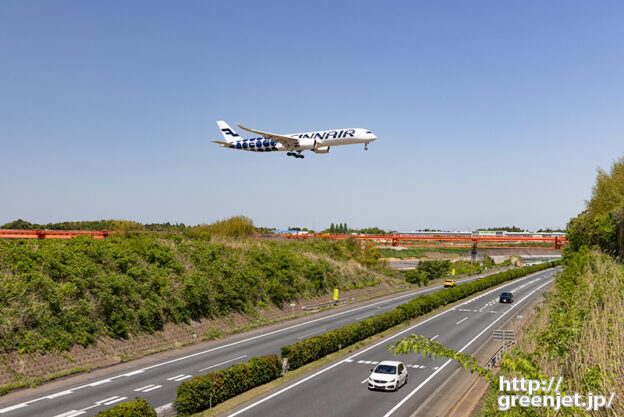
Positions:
(422, 384)
(310, 334)
(223, 363)
(305, 323)
(465, 318)
(314, 375)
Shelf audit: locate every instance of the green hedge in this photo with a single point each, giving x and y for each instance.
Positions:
(314, 348)
(194, 395)
(137, 408)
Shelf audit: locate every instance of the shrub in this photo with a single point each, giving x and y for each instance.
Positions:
(137, 408)
(218, 386)
(314, 348)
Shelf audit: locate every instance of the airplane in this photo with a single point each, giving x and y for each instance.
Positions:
(295, 143)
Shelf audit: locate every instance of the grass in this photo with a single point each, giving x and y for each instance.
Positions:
(55, 294)
(578, 334)
(420, 252)
(290, 376)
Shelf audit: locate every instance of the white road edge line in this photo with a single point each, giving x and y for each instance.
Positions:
(289, 387)
(422, 384)
(434, 337)
(310, 334)
(367, 315)
(116, 400)
(231, 360)
(305, 323)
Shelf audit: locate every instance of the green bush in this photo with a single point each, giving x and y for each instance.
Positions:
(214, 388)
(314, 348)
(433, 269)
(58, 293)
(137, 408)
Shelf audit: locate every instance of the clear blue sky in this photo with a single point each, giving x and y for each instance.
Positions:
(488, 112)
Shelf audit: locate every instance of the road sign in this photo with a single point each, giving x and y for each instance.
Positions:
(335, 294)
(453, 271)
(503, 335)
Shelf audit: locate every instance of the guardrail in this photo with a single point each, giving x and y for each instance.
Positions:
(496, 358)
(331, 303)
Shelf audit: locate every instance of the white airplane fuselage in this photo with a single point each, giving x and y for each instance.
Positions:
(318, 142)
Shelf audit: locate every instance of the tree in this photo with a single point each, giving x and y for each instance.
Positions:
(332, 229)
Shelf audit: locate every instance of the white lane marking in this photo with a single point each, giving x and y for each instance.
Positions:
(142, 388)
(60, 394)
(103, 381)
(374, 362)
(435, 367)
(367, 362)
(116, 400)
(13, 407)
(361, 317)
(174, 377)
(364, 381)
(222, 363)
(70, 413)
(434, 337)
(310, 334)
(152, 389)
(105, 400)
(465, 318)
(314, 375)
(360, 361)
(182, 378)
(463, 309)
(138, 371)
(422, 384)
(349, 361)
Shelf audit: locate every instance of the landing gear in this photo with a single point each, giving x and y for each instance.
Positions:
(295, 154)
(366, 146)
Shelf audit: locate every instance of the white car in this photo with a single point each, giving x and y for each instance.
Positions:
(388, 375)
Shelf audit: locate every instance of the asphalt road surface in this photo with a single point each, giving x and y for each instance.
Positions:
(157, 381)
(340, 389)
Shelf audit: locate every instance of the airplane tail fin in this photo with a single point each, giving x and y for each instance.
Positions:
(229, 134)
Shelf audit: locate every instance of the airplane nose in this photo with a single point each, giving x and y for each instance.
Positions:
(373, 138)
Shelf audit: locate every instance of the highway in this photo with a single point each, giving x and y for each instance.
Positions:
(157, 380)
(340, 388)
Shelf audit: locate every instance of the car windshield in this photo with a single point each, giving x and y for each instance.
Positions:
(385, 369)
(506, 294)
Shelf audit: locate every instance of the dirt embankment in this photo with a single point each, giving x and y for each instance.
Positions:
(16, 368)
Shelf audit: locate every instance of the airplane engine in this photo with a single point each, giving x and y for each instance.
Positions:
(321, 149)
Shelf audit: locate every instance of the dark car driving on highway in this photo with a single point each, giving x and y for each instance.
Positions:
(506, 297)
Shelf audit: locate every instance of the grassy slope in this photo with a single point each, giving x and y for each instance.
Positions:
(57, 293)
(579, 335)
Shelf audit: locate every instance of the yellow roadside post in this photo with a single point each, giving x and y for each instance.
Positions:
(335, 294)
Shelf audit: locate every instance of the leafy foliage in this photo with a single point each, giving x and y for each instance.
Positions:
(311, 349)
(137, 408)
(55, 294)
(205, 390)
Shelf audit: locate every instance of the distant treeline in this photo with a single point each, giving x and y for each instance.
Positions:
(121, 225)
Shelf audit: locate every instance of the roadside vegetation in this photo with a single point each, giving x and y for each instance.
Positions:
(578, 333)
(427, 271)
(58, 293)
(421, 252)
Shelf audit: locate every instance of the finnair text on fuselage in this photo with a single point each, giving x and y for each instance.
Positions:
(335, 134)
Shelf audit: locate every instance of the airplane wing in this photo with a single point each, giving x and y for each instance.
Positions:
(221, 143)
(287, 141)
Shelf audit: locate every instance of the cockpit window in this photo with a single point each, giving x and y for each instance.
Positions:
(368, 131)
